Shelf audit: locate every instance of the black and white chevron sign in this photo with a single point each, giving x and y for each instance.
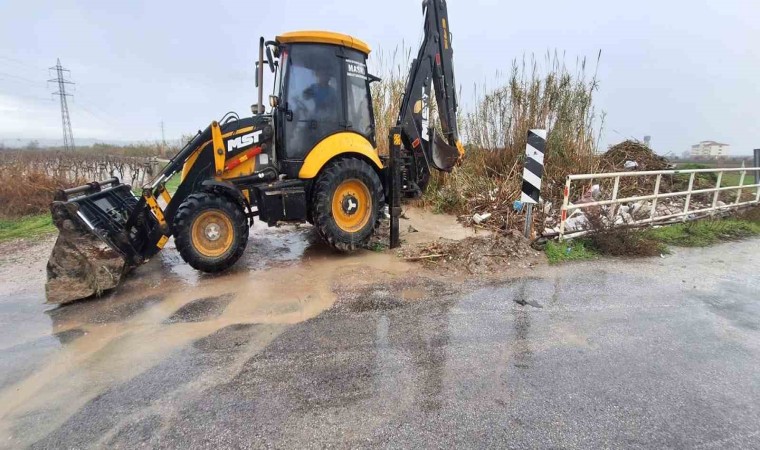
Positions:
(534, 166)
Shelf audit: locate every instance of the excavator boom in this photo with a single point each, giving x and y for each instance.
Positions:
(433, 67)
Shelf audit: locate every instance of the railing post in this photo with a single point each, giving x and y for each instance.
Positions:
(716, 193)
(739, 191)
(565, 202)
(654, 200)
(688, 197)
(614, 208)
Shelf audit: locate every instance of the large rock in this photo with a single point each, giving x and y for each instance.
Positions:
(81, 265)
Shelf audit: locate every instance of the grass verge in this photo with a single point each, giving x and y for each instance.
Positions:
(620, 242)
(26, 227)
(575, 250)
(704, 232)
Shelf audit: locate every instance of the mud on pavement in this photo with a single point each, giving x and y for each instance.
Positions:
(57, 359)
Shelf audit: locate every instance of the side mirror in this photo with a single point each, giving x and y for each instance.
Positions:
(274, 101)
(270, 59)
(373, 78)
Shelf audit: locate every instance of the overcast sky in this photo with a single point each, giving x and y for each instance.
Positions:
(681, 71)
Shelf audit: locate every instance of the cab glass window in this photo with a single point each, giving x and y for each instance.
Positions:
(313, 97)
(359, 106)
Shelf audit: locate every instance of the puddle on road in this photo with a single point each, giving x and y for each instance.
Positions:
(427, 226)
(414, 293)
(285, 277)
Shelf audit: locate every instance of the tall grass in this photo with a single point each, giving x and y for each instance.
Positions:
(393, 69)
(547, 95)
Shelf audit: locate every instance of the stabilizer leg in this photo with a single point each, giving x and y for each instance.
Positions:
(394, 184)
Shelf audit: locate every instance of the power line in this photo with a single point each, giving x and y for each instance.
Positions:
(92, 104)
(68, 136)
(100, 117)
(28, 97)
(20, 62)
(11, 77)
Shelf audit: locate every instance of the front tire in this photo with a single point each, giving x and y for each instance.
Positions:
(210, 231)
(346, 203)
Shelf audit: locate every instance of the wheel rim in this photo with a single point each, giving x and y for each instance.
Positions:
(212, 233)
(351, 205)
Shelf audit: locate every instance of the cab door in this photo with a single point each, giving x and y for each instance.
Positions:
(359, 114)
(313, 105)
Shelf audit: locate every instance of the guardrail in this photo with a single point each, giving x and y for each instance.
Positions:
(657, 195)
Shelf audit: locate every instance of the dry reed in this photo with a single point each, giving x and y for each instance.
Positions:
(495, 133)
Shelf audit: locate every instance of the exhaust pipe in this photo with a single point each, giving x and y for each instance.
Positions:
(260, 77)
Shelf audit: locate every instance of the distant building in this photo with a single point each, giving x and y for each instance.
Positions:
(710, 149)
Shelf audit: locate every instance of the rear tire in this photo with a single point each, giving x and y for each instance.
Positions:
(210, 231)
(348, 196)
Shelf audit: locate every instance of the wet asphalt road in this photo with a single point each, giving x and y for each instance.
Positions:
(648, 354)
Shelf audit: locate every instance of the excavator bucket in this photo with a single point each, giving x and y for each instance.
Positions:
(444, 156)
(103, 229)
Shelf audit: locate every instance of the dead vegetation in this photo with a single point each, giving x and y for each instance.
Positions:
(616, 241)
(614, 159)
(387, 94)
(495, 132)
(30, 177)
(475, 255)
(23, 194)
(750, 214)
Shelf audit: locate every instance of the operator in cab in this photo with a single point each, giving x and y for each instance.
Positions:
(324, 95)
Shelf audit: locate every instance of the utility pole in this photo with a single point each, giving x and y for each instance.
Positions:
(68, 136)
(163, 139)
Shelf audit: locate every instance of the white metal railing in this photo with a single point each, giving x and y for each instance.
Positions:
(656, 195)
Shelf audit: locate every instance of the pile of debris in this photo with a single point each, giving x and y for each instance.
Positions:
(476, 255)
(632, 155)
(626, 214)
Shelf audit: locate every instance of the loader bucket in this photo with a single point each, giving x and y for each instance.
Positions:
(444, 156)
(97, 243)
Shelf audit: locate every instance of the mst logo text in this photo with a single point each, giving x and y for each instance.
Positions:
(243, 141)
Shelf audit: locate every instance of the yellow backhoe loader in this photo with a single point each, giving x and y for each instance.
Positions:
(311, 157)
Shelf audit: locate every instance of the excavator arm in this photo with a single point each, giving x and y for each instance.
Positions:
(415, 145)
(422, 145)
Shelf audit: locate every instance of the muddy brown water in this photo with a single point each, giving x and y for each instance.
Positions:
(59, 358)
